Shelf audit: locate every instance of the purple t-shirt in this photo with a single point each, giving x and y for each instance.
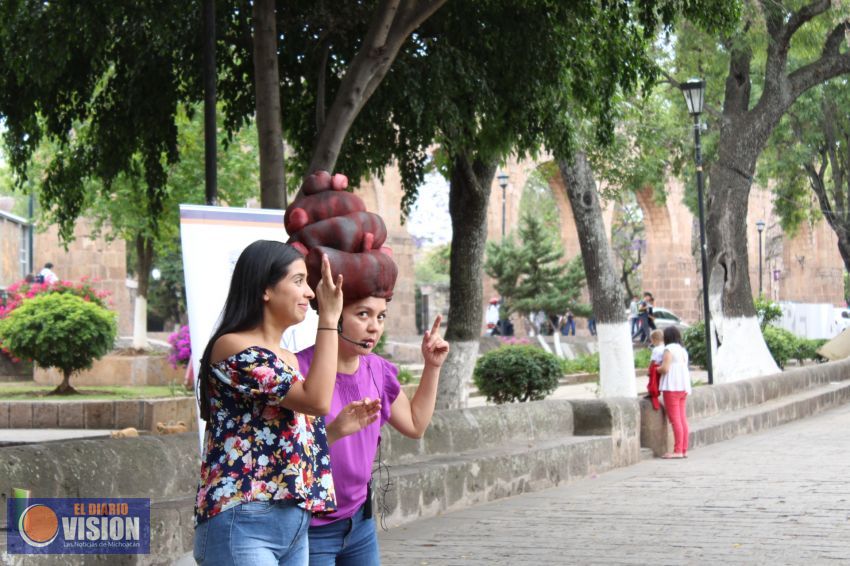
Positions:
(352, 456)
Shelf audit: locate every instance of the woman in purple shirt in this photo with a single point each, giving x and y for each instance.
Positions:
(347, 536)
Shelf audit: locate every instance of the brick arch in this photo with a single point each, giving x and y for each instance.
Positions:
(668, 269)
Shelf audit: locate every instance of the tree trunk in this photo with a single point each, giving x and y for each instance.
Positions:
(65, 388)
(744, 130)
(144, 260)
(469, 195)
(269, 120)
(391, 25)
(616, 355)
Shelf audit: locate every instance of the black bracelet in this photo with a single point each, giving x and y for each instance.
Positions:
(327, 328)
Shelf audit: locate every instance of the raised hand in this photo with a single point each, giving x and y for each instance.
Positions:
(353, 418)
(434, 348)
(329, 294)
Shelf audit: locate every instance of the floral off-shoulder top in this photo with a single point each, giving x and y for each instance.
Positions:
(256, 449)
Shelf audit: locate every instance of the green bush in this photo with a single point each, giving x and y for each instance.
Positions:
(694, 339)
(59, 330)
(808, 349)
(516, 373)
(588, 363)
(781, 343)
(767, 311)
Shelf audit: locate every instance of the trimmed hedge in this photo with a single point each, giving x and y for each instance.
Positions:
(517, 373)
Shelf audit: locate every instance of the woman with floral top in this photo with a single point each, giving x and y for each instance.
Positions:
(266, 466)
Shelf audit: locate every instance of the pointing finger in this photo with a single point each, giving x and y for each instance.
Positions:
(436, 328)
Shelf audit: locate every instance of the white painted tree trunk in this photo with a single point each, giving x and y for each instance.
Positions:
(543, 344)
(140, 323)
(743, 352)
(616, 360)
(614, 339)
(556, 338)
(452, 391)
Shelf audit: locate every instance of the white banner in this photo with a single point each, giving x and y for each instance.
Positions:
(212, 238)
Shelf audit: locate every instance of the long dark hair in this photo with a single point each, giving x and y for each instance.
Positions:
(672, 336)
(260, 266)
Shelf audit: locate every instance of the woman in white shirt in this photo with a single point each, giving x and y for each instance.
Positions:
(675, 387)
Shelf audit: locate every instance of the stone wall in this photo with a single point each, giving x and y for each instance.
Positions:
(142, 414)
(13, 235)
(114, 369)
(103, 262)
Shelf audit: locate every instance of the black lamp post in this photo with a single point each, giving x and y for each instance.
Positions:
(503, 182)
(760, 228)
(694, 91)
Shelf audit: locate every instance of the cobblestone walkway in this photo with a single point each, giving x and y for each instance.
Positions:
(777, 497)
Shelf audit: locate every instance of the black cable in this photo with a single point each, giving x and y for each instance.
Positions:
(384, 483)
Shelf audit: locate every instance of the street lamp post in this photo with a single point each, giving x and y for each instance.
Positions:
(694, 92)
(760, 228)
(503, 182)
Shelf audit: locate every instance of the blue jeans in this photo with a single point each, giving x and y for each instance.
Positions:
(348, 542)
(259, 533)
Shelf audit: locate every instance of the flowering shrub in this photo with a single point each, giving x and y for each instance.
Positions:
(181, 348)
(18, 293)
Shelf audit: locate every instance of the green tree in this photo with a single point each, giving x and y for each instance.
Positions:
(778, 52)
(809, 156)
(149, 222)
(59, 330)
(530, 275)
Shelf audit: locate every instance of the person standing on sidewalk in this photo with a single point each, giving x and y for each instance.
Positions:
(675, 387)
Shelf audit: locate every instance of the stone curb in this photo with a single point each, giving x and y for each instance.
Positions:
(721, 412)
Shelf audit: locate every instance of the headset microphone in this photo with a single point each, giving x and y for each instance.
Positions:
(347, 339)
(363, 344)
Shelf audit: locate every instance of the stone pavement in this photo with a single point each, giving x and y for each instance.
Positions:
(777, 497)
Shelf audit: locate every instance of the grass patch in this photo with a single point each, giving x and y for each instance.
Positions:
(29, 391)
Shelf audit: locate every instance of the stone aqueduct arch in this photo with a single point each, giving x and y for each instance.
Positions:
(804, 267)
(808, 265)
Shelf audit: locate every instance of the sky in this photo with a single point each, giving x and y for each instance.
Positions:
(429, 222)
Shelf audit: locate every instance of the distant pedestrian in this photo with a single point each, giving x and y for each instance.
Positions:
(46, 275)
(633, 316)
(645, 320)
(492, 317)
(569, 327)
(675, 387)
(591, 325)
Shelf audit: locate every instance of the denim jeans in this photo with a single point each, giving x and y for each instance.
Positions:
(259, 533)
(348, 542)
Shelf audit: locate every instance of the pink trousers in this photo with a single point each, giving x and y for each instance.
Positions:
(675, 402)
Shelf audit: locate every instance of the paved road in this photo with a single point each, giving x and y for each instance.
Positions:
(778, 497)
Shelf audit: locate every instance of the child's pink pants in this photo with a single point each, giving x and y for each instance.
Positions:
(675, 403)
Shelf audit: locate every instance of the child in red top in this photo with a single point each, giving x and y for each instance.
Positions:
(657, 339)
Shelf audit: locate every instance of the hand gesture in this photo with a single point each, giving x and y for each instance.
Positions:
(434, 348)
(329, 294)
(354, 417)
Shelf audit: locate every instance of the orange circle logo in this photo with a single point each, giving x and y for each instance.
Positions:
(38, 525)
